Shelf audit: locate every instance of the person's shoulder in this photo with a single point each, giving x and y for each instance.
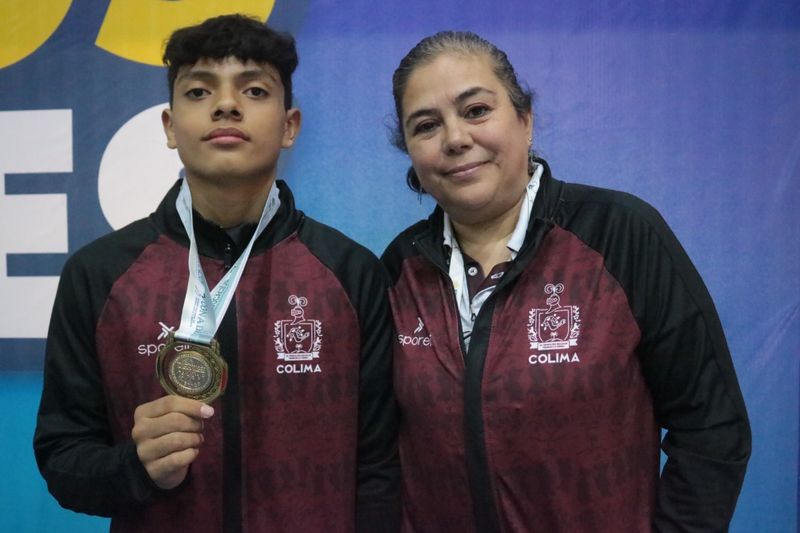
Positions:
(604, 204)
(612, 221)
(333, 247)
(355, 267)
(403, 243)
(403, 247)
(108, 252)
(612, 198)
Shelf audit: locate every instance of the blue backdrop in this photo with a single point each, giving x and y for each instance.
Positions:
(692, 105)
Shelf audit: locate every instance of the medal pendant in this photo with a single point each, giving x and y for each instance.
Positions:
(192, 370)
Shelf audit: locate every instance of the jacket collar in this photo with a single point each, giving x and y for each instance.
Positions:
(211, 239)
(547, 201)
(431, 244)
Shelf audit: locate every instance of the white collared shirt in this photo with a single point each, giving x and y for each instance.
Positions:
(468, 309)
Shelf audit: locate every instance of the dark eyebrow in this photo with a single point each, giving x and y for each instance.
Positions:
(472, 91)
(256, 74)
(465, 95)
(208, 76)
(196, 74)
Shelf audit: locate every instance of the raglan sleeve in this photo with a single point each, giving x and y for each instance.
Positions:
(84, 469)
(697, 399)
(378, 507)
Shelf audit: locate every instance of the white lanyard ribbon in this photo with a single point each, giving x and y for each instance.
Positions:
(204, 309)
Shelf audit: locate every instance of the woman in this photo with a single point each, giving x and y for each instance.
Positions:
(546, 331)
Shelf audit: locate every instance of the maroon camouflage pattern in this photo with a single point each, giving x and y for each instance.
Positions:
(290, 475)
(572, 446)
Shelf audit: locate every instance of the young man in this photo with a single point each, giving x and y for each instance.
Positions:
(226, 269)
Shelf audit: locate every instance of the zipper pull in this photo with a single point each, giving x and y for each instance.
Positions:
(228, 257)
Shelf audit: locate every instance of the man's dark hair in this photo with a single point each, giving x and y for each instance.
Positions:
(238, 36)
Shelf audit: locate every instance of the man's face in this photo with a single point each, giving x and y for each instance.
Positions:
(228, 121)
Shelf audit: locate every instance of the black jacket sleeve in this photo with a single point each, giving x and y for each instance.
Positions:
(84, 469)
(684, 359)
(366, 282)
(696, 395)
(378, 504)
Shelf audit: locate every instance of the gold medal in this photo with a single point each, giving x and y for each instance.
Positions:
(192, 370)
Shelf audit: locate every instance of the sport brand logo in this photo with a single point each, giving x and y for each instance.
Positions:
(154, 347)
(416, 338)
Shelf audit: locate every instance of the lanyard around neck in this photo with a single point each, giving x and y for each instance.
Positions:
(204, 309)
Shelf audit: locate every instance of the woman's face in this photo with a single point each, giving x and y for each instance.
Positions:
(466, 142)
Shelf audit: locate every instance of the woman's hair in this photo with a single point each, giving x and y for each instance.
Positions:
(238, 36)
(461, 42)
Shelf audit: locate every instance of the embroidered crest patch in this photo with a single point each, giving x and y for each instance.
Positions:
(298, 338)
(554, 328)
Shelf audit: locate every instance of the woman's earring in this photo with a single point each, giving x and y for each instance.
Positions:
(531, 162)
(413, 182)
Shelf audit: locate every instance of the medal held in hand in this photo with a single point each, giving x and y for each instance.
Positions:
(192, 370)
(190, 363)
